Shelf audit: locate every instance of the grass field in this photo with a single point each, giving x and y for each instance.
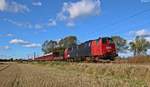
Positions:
(63, 74)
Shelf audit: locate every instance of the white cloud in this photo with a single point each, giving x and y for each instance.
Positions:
(9, 35)
(32, 45)
(70, 24)
(70, 11)
(37, 4)
(21, 24)
(73, 10)
(80, 8)
(125, 54)
(18, 41)
(24, 43)
(2, 5)
(6, 35)
(15, 7)
(38, 26)
(145, 1)
(31, 25)
(13, 22)
(4, 47)
(147, 38)
(142, 32)
(51, 22)
(148, 51)
(12, 7)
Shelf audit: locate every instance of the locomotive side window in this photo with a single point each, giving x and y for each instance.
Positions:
(89, 44)
(97, 41)
(72, 49)
(85, 45)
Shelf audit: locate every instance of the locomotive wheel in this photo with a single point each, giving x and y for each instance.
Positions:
(70, 60)
(112, 59)
(95, 59)
(104, 61)
(89, 59)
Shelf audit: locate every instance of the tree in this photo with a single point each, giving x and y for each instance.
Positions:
(120, 43)
(54, 46)
(68, 41)
(139, 46)
(148, 45)
(49, 46)
(133, 48)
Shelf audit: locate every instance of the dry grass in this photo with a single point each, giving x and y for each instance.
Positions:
(108, 75)
(139, 59)
(3, 65)
(63, 74)
(8, 76)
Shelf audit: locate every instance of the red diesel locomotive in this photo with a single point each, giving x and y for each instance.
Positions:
(102, 48)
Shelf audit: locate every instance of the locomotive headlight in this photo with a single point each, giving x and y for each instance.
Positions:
(68, 55)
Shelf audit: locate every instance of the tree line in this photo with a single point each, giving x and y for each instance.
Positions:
(139, 46)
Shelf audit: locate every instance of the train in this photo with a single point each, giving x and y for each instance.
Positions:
(102, 48)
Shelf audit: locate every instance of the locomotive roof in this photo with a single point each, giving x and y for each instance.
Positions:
(90, 41)
(86, 42)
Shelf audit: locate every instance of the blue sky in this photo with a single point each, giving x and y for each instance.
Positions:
(26, 24)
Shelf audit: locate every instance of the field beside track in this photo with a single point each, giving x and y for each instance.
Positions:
(64, 74)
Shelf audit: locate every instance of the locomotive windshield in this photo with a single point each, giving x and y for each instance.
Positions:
(110, 40)
(107, 40)
(104, 40)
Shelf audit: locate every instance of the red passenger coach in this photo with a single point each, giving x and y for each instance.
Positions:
(53, 56)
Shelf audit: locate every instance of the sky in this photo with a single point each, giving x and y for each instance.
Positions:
(26, 24)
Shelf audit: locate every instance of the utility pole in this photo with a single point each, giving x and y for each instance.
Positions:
(28, 57)
(34, 55)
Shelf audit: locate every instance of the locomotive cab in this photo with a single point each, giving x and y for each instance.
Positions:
(108, 47)
(103, 48)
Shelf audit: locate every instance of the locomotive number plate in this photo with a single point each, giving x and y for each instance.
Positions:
(108, 47)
